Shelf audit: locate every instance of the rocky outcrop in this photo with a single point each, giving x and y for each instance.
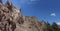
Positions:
(11, 19)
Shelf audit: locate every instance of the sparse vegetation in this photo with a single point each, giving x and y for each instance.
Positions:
(12, 20)
(53, 27)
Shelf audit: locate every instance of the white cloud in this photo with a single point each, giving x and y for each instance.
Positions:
(58, 23)
(53, 14)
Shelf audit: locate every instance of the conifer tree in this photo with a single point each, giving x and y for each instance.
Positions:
(55, 26)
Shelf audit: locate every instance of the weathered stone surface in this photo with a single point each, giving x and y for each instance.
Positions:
(11, 19)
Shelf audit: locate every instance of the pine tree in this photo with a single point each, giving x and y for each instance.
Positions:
(55, 26)
(49, 28)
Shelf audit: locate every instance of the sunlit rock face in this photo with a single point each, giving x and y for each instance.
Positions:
(11, 19)
(42, 25)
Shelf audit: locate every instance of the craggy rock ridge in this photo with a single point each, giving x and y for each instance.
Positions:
(11, 19)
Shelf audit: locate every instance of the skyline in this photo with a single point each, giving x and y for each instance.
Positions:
(47, 10)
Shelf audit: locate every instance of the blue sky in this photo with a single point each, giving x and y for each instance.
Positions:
(48, 10)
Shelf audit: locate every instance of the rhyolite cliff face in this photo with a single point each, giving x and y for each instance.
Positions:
(11, 19)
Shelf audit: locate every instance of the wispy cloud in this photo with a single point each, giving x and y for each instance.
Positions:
(53, 14)
(28, 1)
(32, 0)
(58, 23)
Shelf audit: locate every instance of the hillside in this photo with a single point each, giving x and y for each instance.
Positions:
(11, 19)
